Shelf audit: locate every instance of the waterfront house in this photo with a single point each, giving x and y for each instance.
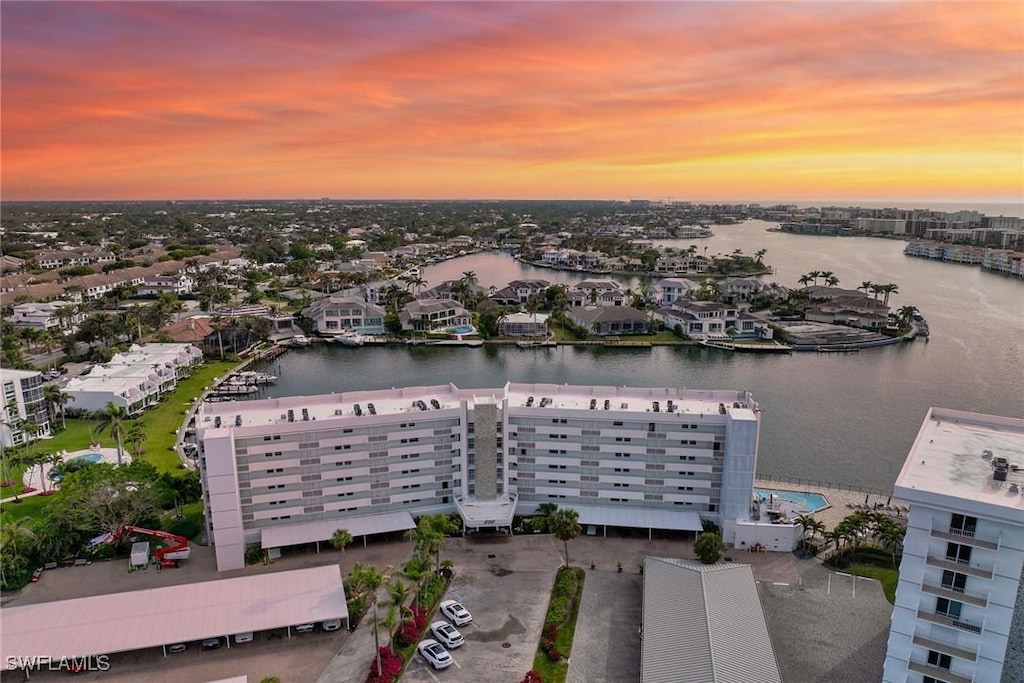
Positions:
(611, 320)
(700, 319)
(433, 315)
(1004, 261)
(671, 289)
(680, 263)
(737, 289)
(523, 325)
(337, 314)
(452, 289)
(597, 293)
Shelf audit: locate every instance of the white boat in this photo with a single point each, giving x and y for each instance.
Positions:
(350, 339)
(297, 340)
(253, 377)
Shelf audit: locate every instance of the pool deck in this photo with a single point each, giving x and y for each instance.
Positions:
(30, 478)
(841, 502)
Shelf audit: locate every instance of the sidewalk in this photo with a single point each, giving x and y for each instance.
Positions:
(353, 662)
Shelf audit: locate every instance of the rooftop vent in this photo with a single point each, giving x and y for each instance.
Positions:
(999, 474)
(987, 453)
(305, 414)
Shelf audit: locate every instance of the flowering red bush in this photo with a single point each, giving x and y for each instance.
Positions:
(554, 655)
(419, 616)
(407, 633)
(390, 666)
(550, 632)
(532, 677)
(547, 645)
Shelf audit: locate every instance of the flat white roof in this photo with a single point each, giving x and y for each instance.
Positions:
(120, 622)
(334, 406)
(948, 459)
(632, 399)
(638, 518)
(323, 530)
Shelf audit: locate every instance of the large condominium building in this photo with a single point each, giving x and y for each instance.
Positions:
(959, 613)
(290, 471)
(23, 404)
(134, 379)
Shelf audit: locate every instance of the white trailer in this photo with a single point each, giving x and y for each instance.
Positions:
(140, 554)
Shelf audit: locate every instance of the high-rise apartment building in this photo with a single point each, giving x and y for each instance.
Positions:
(23, 404)
(959, 614)
(289, 471)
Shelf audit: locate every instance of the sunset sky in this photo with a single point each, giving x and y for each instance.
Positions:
(700, 101)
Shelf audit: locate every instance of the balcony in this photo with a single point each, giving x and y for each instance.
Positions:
(945, 620)
(953, 593)
(962, 567)
(946, 648)
(966, 538)
(938, 673)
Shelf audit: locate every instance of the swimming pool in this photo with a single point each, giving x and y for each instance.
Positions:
(812, 501)
(462, 329)
(55, 473)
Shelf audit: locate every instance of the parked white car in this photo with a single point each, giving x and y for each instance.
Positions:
(435, 654)
(456, 613)
(447, 634)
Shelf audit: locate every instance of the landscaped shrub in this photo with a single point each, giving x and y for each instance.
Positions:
(390, 666)
(554, 655)
(532, 677)
(419, 616)
(407, 633)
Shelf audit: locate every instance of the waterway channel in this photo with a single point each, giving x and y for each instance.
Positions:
(833, 417)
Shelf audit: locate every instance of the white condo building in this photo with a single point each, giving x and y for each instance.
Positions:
(959, 615)
(23, 403)
(290, 471)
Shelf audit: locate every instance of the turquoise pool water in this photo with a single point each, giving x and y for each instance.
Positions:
(813, 501)
(55, 473)
(462, 329)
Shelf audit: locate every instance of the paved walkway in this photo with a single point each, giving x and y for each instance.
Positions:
(353, 661)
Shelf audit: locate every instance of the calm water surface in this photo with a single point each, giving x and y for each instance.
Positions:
(846, 418)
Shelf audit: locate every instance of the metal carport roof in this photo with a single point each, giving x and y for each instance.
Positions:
(638, 518)
(323, 530)
(119, 622)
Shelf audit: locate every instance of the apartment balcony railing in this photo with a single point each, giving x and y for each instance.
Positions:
(938, 673)
(946, 620)
(966, 538)
(954, 593)
(981, 571)
(946, 648)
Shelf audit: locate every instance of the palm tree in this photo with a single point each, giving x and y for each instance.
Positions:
(54, 460)
(114, 418)
(136, 436)
(469, 279)
(805, 522)
(56, 398)
(565, 525)
(417, 283)
(814, 275)
(832, 281)
(804, 280)
(340, 539)
(889, 289)
(866, 285)
(907, 313)
(759, 255)
(833, 537)
(826, 275)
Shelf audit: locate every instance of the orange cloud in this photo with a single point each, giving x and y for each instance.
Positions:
(512, 100)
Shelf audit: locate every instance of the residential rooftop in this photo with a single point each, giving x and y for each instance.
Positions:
(954, 456)
(413, 401)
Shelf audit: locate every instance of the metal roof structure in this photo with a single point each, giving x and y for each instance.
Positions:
(703, 623)
(120, 622)
(323, 530)
(638, 518)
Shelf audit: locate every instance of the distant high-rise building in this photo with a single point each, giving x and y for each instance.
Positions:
(959, 614)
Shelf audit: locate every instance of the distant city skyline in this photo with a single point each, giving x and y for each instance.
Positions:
(822, 103)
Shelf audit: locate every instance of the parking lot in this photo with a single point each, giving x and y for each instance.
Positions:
(504, 582)
(824, 626)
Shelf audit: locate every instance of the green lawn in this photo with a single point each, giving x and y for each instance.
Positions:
(888, 578)
(31, 506)
(555, 672)
(161, 423)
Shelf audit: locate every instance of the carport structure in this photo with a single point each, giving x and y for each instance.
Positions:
(322, 530)
(121, 622)
(638, 518)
